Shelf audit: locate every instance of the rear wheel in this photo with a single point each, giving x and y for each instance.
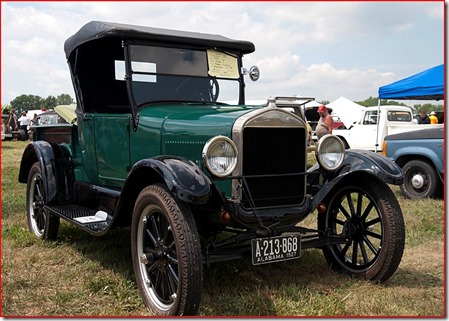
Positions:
(420, 180)
(368, 215)
(166, 253)
(43, 224)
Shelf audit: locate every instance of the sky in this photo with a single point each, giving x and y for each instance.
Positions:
(316, 49)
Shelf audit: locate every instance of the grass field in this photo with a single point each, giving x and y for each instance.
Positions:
(82, 275)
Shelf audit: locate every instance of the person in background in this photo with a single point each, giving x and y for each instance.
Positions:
(24, 121)
(34, 120)
(433, 119)
(325, 123)
(423, 118)
(12, 120)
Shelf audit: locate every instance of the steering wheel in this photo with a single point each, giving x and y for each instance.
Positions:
(192, 89)
(214, 89)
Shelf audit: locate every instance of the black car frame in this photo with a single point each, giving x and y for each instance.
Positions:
(197, 180)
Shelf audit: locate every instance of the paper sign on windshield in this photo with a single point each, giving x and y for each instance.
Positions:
(222, 65)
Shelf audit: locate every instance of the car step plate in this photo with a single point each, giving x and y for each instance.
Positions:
(275, 249)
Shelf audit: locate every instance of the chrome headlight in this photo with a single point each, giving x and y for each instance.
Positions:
(330, 152)
(220, 156)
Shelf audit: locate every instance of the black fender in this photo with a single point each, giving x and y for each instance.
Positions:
(183, 178)
(361, 164)
(42, 152)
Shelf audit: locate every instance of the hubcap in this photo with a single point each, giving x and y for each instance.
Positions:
(418, 181)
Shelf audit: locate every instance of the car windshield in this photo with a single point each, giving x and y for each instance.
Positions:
(176, 74)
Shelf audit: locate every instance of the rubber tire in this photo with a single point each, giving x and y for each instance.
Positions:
(387, 221)
(431, 180)
(176, 219)
(41, 223)
(23, 136)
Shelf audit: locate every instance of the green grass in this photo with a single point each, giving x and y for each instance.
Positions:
(82, 275)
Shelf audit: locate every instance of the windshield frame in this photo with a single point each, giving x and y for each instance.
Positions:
(205, 75)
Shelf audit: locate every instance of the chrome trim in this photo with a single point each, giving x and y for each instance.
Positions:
(206, 152)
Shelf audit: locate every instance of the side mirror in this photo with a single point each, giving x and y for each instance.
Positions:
(254, 73)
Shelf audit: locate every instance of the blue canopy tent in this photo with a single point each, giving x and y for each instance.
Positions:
(426, 85)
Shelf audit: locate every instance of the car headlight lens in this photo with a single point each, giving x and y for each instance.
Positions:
(220, 156)
(330, 152)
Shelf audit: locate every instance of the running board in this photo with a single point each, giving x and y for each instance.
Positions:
(93, 222)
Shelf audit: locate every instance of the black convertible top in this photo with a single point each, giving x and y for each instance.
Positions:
(98, 29)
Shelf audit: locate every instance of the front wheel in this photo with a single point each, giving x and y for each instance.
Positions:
(420, 180)
(368, 215)
(41, 223)
(166, 253)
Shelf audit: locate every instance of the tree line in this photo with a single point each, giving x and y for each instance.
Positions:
(427, 108)
(32, 102)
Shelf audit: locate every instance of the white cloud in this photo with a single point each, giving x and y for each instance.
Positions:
(321, 49)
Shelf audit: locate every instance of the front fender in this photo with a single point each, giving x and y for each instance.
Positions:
(413, 152)
(359, 163)
(42, 152)
(183, 178)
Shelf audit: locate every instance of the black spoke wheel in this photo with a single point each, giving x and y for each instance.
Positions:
(368, 215)
(166, 253)
(44, 225)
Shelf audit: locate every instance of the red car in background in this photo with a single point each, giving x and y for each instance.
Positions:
(338, 124)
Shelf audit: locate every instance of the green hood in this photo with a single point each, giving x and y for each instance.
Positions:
(185, 128)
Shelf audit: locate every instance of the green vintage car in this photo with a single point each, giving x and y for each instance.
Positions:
(155, 145)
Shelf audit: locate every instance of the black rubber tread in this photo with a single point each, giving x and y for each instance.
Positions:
(188, 249)
(51, 224)
(393, 236)
(432, 185)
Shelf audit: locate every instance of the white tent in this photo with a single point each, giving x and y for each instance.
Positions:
(347, 110)
(312, 104)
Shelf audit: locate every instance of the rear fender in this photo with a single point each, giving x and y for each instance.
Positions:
(42, 152)
(362, 165)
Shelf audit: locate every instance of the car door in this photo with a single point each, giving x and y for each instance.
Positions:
(112, 148)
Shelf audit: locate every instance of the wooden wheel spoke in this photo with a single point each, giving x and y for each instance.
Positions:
(172, 279)
(370, 245)
(345, 248)
(355, 247)
(150, 236)
(372, 234)
(38, 193)
(363, 251)
(373, 221)
(345, 213)
(152, 268)
(350, 204)
(155, 228)
(368, 209)
(172, 259)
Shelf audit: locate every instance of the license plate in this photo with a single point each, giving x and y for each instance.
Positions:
(275, 249)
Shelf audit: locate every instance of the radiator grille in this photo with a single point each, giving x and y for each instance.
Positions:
(273, 160)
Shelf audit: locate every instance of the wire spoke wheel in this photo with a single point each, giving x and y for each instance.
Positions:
(166, 253)
(42, 224)
(158, 258)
